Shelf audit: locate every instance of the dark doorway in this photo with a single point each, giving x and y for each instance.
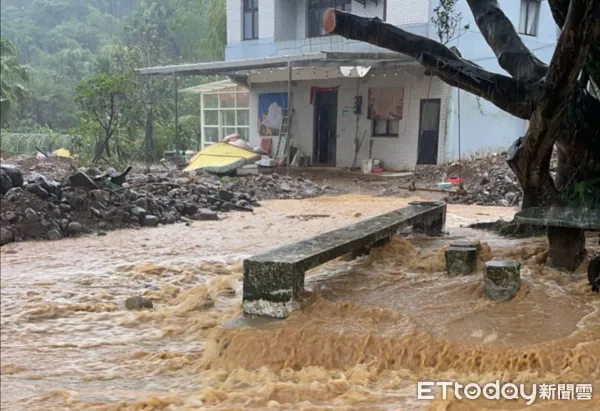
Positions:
(429, 131)
(325, 132)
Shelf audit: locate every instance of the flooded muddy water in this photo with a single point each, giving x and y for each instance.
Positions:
(370, 329)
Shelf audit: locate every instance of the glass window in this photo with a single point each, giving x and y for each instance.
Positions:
(385, 128)
(243, 99)
(316, 10)
(211, 100)
(243, 118)
(394, 127)
(211, 117)
(244, 133)
(228, 118)
(227, 100)
(211, 134)
(250, 19)
(530, 14)
(226, 114)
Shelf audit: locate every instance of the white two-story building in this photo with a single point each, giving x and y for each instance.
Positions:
(279, 57)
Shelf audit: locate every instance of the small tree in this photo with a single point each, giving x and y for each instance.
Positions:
(103, 99)
(14, 78)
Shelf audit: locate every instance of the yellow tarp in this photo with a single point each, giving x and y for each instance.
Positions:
(221, 157)
(62, 152)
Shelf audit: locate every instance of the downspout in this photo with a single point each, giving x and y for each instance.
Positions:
(384, 10)
(289, 116)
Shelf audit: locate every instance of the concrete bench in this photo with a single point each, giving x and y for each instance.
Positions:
(572, 219)
(274, 280)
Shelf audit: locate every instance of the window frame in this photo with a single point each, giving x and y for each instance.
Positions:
(220, 109)
(524, 20)
(388, 133)
(316, 32)
(253, 10)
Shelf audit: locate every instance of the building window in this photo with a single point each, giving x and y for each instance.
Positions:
(385, 128)
(316, 10)
(225, 112)
(530, 15)
(250, 19)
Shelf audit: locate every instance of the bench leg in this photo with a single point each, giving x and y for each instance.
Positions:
(272, 289)
(566, 248)
(361, 252)
(594, 273)
(366, 250)
(431, 224)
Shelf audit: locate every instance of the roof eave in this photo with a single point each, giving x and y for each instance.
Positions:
(299, 60)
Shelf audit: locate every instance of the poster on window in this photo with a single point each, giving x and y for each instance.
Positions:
(270, 113)
(385, 103)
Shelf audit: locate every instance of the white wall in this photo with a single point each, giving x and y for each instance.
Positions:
(282, 20)
(484, 128)
(396, 152)
(401, 12)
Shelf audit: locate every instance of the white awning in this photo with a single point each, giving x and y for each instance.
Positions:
(211, 87)
(334, 59)
(218, 67)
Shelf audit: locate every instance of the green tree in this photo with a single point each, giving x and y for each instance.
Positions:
(14, 79)
(103, 99)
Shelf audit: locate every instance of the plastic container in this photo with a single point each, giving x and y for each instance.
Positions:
(444, 185)
(367, 166)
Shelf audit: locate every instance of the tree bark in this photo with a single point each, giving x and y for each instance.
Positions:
(513, 56)
(561, 111)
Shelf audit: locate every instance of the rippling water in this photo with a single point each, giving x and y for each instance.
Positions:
(371, 328)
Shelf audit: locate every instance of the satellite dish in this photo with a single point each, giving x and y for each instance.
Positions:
(346, 71)
(362, 71)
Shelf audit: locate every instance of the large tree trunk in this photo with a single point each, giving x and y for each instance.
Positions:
(561, 112)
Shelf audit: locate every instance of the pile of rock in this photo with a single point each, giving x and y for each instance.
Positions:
(488, 181)
(37, 207)
(496, 186)
(276, 186)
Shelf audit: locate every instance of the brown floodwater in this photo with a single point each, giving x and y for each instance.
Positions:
(370, 329)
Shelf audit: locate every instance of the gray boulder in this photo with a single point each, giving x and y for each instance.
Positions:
(138, 303)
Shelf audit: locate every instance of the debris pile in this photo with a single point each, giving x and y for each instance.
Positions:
(86, 200)
(488, 181)
(276, 186)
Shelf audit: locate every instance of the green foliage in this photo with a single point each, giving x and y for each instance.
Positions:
(447, 20)
(84, 53)
(14, 79)
(585, 194)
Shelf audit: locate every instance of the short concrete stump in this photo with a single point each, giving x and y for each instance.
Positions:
(461, 260)
(467, 244)
(502, 279)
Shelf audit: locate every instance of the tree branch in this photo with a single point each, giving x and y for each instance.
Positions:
(579, 32)
(514, 96)
(500, 34)
(529, 157)
(560, 9)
